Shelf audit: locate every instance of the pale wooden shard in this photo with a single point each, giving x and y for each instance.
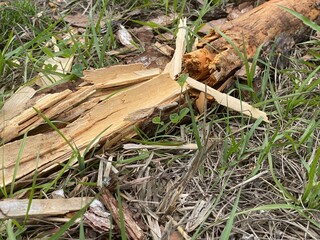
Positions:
(228, 101)
(174, 66)
(50, 105)
(190, 146)
(17, 208)
(13, 127)
(102, 75)
(129, 78)
(16, 103)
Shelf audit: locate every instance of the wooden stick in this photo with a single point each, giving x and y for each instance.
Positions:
(228, 101)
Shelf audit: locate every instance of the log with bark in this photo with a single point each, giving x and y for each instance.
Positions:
(216, 59)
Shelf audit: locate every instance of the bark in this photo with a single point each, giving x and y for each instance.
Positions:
(216, 59)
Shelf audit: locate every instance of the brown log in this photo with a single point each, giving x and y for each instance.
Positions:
(216, 59)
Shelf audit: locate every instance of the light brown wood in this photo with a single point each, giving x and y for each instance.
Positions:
(174, 66)
(229, 101)
(216, 59)
(106, 120)
(129, 78)
(101, 75)
(17, 208)
(16, 104)
(11, 129)
(50, 105)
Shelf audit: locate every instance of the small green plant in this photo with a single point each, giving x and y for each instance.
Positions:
(175, 118)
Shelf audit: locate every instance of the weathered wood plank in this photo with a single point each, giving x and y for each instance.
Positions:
(17, 208)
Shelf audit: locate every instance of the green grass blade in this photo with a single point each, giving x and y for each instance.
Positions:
(67, 225)
(34, 180)
(227, 230)
(9, 228)
(54, 127)
(313, 125)
(17, 164)
(36, 40)
(247, 137)
(279, 185)
(304, 19)
(121, 217)
(311, 176)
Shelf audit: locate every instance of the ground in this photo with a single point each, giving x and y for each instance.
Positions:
(245, 180)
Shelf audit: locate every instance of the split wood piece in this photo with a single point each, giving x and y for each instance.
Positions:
(77, 111)
(106, 121)
(18, 208)
(100, 76)
(16, 103)
(216, 59)
(12, 128)
(229, 101)
(129, 78)
(132, 228)
(50, 105)
(174, 66)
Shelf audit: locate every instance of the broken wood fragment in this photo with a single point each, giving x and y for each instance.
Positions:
(229, 101)
(129, 78)
(101, 75)
(105, 121)
(216, 59)
(18, 208)
(50, 105)
(21, 122)
(16, 103)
